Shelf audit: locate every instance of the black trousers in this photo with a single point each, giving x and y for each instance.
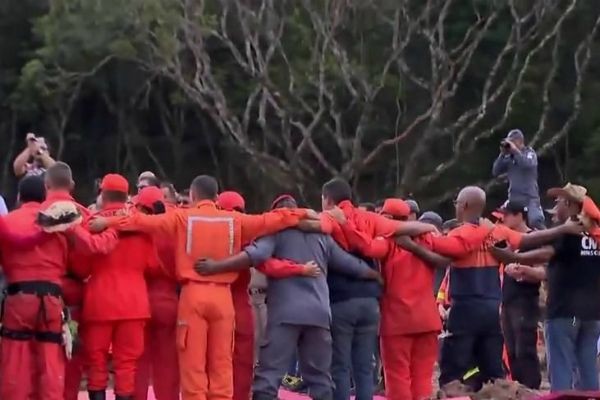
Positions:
(520, 327)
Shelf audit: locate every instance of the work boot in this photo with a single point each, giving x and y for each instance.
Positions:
(97, 394)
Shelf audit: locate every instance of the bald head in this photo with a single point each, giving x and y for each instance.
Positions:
(470, 203)
(59, 177)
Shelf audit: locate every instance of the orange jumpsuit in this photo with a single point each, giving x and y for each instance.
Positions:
(206, 316)
(159, 360)
(116, 308)
(72, 288)
(33, 359)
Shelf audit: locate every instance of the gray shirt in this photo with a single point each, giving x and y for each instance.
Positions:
(302, 300)
(522, 172)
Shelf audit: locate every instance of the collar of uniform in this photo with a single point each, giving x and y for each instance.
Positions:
(346, 205)
(59, 195)
(31, 204)
(113, 206)
(206, 203)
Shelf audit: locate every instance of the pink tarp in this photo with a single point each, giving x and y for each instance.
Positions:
(283, 394)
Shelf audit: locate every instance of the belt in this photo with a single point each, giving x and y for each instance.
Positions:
(26, 335)
(40, 288)
(253, 291)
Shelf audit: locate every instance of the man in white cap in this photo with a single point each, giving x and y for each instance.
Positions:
(519, 163)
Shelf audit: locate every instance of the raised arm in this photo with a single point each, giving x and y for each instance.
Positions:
(388, 227)
(432, 258)
(542, 237)
(501, 165)
(161, 224)
(87, 243)
(255, 226)
(525, 159)
(280, 268)
(255, 254)
(461, 242)
(377, 248)
(20, 163)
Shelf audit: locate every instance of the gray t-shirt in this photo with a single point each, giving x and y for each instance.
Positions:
(522, 171)
(303, 300)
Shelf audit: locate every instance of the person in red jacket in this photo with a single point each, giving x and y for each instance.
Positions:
(33, 359)
(59, 185)
(115, 302)
(159, 360)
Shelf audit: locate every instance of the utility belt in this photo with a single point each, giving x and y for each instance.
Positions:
(40, 289)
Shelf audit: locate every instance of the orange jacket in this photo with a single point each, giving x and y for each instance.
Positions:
(204, 231)
(116, 289)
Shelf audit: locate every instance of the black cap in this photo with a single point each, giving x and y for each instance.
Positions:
(432, 218)
(515, 207)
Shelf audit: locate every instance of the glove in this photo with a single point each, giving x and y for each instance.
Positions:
(59, 217)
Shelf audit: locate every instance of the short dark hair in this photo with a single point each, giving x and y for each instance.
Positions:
(368, 206)
(32, 189)
(113, 196)
(337, 190)
(59, 176)
(205, 187)
(150, 180)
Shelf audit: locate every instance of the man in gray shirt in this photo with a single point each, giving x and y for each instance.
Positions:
(520, 163)
(299, 314)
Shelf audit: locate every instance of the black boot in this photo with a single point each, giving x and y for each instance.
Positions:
(118, 397)
(97, 394)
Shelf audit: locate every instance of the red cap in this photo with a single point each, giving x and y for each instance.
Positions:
(230, 201)
(148, 196)
(397, 208)
(115, 183)
(279, 199)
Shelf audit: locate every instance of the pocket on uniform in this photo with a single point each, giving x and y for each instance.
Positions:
(182, 336)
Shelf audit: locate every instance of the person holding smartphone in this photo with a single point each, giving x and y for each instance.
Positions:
(34, 159)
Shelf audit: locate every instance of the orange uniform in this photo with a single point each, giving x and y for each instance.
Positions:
(72, 288)
(159, 360)
(206, 314)
(33, 360)
(116, 308)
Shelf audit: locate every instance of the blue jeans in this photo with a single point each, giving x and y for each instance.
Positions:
(571, 347)
(354, 328)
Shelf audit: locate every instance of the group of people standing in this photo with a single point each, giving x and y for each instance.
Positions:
(169, 293)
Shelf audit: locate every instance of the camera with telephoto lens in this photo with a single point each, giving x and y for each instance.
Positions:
(505, 145)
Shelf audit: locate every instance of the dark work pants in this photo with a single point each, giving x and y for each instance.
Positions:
(475, 340)
(313, 346)
(520, 327)
(354, 329)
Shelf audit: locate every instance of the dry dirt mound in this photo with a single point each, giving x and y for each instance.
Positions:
(499, 390)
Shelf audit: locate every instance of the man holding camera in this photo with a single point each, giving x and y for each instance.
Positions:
(34, 159)
(519, 162)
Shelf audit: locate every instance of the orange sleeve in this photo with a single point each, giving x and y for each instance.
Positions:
(278, 268)
(254, 226)
(377, 248)
(384, 226)
(165, 224)
(89, 243)
(513, 238)
(460, 243)
(327, 223)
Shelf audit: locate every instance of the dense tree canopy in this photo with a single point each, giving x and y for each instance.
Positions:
(399, 96)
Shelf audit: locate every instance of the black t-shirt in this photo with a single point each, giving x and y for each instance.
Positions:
(574, 279)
